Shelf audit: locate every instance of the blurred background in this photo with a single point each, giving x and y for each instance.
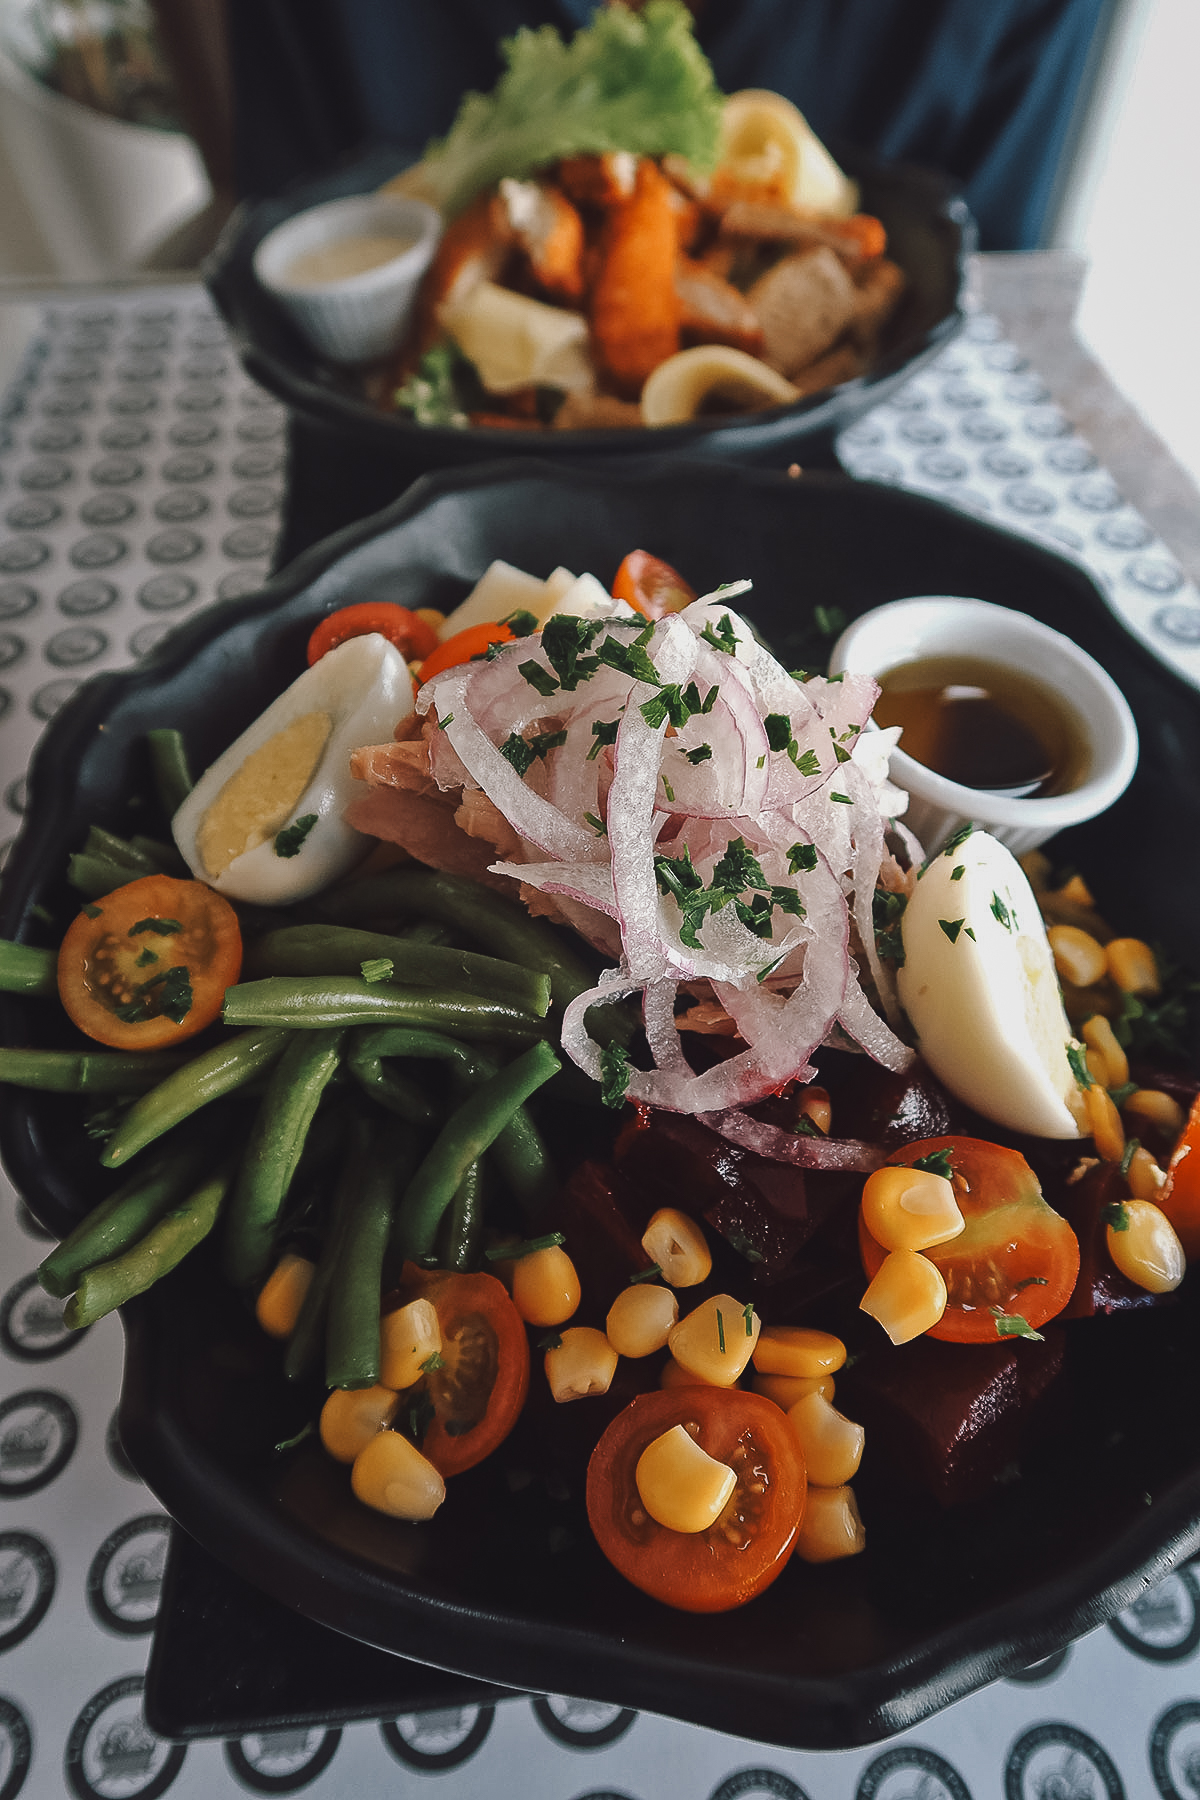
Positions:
(128, 128)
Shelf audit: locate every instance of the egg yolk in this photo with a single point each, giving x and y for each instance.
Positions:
(258, 800)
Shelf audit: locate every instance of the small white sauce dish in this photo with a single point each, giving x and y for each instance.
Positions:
(357, 317)
(946, 626)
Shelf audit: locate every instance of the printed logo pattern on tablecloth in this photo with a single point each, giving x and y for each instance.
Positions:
(281, 1762)
(439, 1740)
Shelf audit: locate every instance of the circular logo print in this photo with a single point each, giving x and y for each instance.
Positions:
(1058, 1762)
(31, 1323)
(77, 645)
(16, 599)
(1162, 1625)
(114, 1449)
(16, 798)
(247, 541)
(112, 508)
(12, 649)
(202, 397)
(188, 465)
(124, 1583)
(438, 1740)
(27, 1580)
(99, 550)
(163, 593)
(33, 515)
(111, 1752)
(1045, 1669)
(16, 1750)
(179, 505)
(125, 435)
(1175, 1751)
(581, 1724)
(149, 637)
(281, 1762)
(91, 595)
(239, 582)
(175, 545)
(21, 554)
(757, 1784)
(189, 432)
(38, 1433)
(52, 697)
(910, 1773)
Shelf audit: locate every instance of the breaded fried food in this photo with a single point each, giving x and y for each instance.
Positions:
(713, 311)
(635, 308)
(880, 285)
(803, 304)
(474, 248)
(858, 240)
(549, 231)
(842, 363)
(597, 412)
(603, 180)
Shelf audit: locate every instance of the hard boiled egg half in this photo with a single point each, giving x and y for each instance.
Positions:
(980, 990)
(264, 823)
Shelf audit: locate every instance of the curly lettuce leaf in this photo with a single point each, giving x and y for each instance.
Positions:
(629, 81)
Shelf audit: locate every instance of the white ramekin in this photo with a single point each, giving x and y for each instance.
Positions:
(945, 625)
(360, 317)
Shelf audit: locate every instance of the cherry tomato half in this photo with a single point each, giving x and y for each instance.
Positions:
(413, 637)
(652, 587)
(1016, 1253)
(735, 1559)
(1180, 1198)
(148, 964)
(478, 1392)
(464, 646)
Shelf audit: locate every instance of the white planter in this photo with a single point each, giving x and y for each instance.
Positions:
(102, 192)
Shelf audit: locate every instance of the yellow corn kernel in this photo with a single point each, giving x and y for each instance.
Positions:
(391, 1475)
(1132, 966)
(1104, 1124)
(832, 1444)
(408, 1337)
(907, 1295)
(673, 1375)
(785, 1390)
(1076, 892)
(351, 1417)
(1144, 1176)
(432, 617)
(1101, 1039)
(1147, 1249)
(1078, 956)
(814, 1103)
(910, 1209)
(279, 1303)
(680, 1485)
(545, 1287)
(831, 1526)
(679, 1247)
(641, 1318)
(717, 1340)
(583, 1363)
(797, 1350)
(1154, 1107)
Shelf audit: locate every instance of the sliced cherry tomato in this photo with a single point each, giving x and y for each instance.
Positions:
(465, 646)
(413, 637)
(1180, 1198)
(1016, 1253)
(735, 1559)
(148, 964)
(478, 1392)
(652, 587)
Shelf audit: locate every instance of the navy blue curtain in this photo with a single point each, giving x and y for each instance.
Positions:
(985, 90)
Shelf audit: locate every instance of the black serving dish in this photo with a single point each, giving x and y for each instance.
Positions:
(930, 234)
(506, 1586)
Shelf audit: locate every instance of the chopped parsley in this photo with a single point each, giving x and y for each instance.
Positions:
(842, 799)
(146, 958)
(168, 994)
(956, 838)
(92, 912)
(952, 927)
(1013, 1325)
(722, 636)
(700, 754)
(539, 678)
(801, 857)
(605, 732)
(521, 623)
(650, 1274)
(161, 927)
(888, 912)
(565, 643)
(1115, 1215)
(748, 1315)
(551, 1341)
(433, 1362)
(737, 871)
(720, 1331)
(628, 659)
(522, 753)
(616, 1071)
(289, 841)
(378, 968)
(938, 1162)
(1077, 1057)
(779, 737)
(597, 824)
(528, 1247)
(1131, 1146)
(1001, 913)
(958, 873)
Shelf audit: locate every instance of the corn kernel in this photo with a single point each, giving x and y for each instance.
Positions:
(832, 1444)
(583, 1363)
(813, 1103)
(1104, 1124)
(679, 1247)
(907, 1295)
(717, 1340)
(910, 1209)
(674, 1375)
(391, 1475)
(1147, 1250)
(1144, 1175)
(680, 1485)
(408, 1337)
(831, 1526)
(1101, 1041)
(432, 617)
(282, 1296)
(351, 1417)
(1155, 1108)
(1076, 892)
(785, 1390)
(1078, 956)
(797, 1350)
(641, 1318)
(545, 1286)
(1132, 966)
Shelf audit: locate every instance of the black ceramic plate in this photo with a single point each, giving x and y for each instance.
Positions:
(506, 1586)
(930, 234)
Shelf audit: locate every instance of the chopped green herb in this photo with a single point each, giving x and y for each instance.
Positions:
(952, 927)
(700, 754)
(565, 641)
(1115, 1215)
(800, 675)
(830, 621)
(146, 958)
(430, 394)
(168, 994)
(521, 623)
(841, 754)
(289, 841)
(596, 824)
(528, 1247)
(668, 790)
(650, 1274)
(1013, 1325)
(1000, 912)
(843, 799)
(305, 1431)
(779, 730)
(720, 1331)
(801, 857)
(887, 911)
(956, 838)
(538, 678)
(91, 912)
(748, 1315)
(770, 968)
(761, 763)
(551, 1341)
(1077, 1057)
(1030, 1281)
(938, 1162)
(522, 753)
(722, 636)
(161, 927)
(1131, 1145)
(442, 723)
(629, 659)
(605, 732)
(616, 1070)
(1119, 1095)
(958, 873)
(433, 1362)
(377, 968)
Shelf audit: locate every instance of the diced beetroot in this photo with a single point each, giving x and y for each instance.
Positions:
(1101, 1288)
(870, 1102)
(602, 1217)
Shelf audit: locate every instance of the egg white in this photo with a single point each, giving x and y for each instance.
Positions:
(365, 687)
(982, 994)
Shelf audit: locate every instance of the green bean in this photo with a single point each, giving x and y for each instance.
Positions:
(308, 1336)
(120, 1220)
(276, 1144)
(469, 1131)
(352, 1327)
(95, 876)
(229, 1065)
(111, 1284)
(426, 932)
(312, 1003)
(462, 1226)
(164, 856)
(169, 763)
(89, 1071)
(24, 969)
(108, 847)
(340, 950)
(393, 1091)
